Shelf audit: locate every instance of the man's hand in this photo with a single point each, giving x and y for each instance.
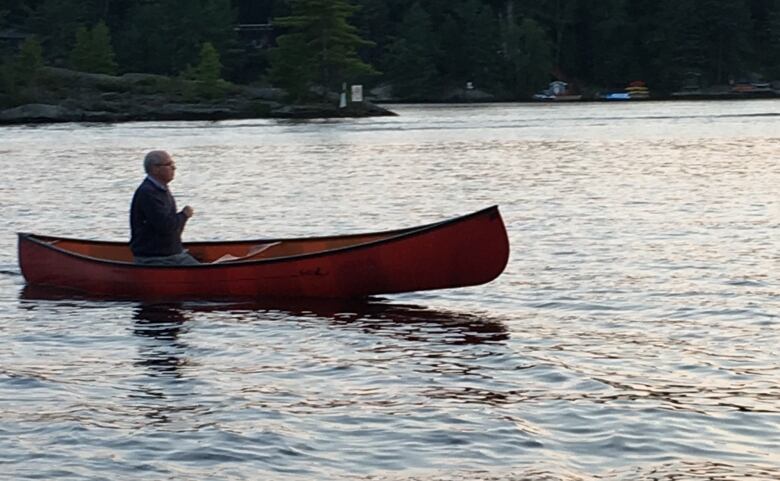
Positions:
(187, 211)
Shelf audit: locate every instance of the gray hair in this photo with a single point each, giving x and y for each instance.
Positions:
(153, 158)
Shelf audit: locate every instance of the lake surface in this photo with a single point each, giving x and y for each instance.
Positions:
(634, 334)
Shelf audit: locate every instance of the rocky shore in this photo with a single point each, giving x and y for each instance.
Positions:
(70, 96)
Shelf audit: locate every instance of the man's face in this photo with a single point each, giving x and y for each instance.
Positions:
(164, 170)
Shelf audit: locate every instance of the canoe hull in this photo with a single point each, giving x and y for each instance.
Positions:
(469, 250)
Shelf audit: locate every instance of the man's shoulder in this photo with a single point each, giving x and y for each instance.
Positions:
(147, 190)
(148, 186)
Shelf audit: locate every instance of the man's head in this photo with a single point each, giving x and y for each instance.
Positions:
(160, 165)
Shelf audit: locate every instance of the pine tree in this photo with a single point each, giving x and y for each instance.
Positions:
(24, 70)
(209, 69)
(103, 51)
(81, 56)
(30, 60)
(93, 51)
(208, 73)
(292, 67)
(321, 37)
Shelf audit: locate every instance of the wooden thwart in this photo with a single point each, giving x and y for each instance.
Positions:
(253, 251)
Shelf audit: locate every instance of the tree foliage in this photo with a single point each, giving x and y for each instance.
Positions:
(529, 53)
(165, 36)
(319, 35)
(207, 73)
(509, 47)
(93, 51)
(209, 68)
(30, 59)
(412, 56)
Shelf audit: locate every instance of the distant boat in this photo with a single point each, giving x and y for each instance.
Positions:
(558, 91)
(616, 96)
(636, 90)
(468, 250)
(751, 87)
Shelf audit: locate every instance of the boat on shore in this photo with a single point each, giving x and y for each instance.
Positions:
(467, 250)
(636, 90)
(558, 91)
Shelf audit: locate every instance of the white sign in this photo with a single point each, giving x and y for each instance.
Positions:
(357, 93)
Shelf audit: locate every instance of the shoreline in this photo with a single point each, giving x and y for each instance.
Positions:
(660, 98)
(49, 113)
(40, 113)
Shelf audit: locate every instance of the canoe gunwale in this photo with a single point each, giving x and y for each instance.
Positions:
(391, 236)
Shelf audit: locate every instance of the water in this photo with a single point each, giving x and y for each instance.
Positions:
(633, 334)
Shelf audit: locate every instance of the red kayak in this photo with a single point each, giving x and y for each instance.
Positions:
(468, 250)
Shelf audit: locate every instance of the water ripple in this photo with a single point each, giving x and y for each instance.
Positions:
(633, 335)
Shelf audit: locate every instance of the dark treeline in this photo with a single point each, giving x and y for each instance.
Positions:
(510, 48)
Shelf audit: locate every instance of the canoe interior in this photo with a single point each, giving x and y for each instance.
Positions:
(210, 252)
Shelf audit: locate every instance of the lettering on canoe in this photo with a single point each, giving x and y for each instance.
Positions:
(319, 271)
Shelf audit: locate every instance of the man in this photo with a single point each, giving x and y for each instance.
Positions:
(155, 225)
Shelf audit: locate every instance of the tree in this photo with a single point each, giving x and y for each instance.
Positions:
(683, 52)
(165, 36)
(20, 71)
(208, 72)
(469, 44)
(30, 60)
(411, 65)
(324, 41)
(529, 56)
(55, 22)
(209, 69)
(607, 42)
(557, 16)
(93, 51)
(374, 20)
(292, 66)
(773, 53)
(726, 26)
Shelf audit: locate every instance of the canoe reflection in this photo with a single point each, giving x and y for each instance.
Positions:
(378, 316)
(374, 315)
(163, 324)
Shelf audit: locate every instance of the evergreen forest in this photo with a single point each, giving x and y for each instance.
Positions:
(510, 48)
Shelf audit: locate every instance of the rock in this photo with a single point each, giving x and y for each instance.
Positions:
(265, 93)
(84, 79)
(136, 78)
(34, 113)
(317, 111)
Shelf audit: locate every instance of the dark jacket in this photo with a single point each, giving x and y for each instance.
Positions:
(155, 226)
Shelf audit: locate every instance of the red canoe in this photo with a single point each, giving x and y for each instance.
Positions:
(468, 250)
